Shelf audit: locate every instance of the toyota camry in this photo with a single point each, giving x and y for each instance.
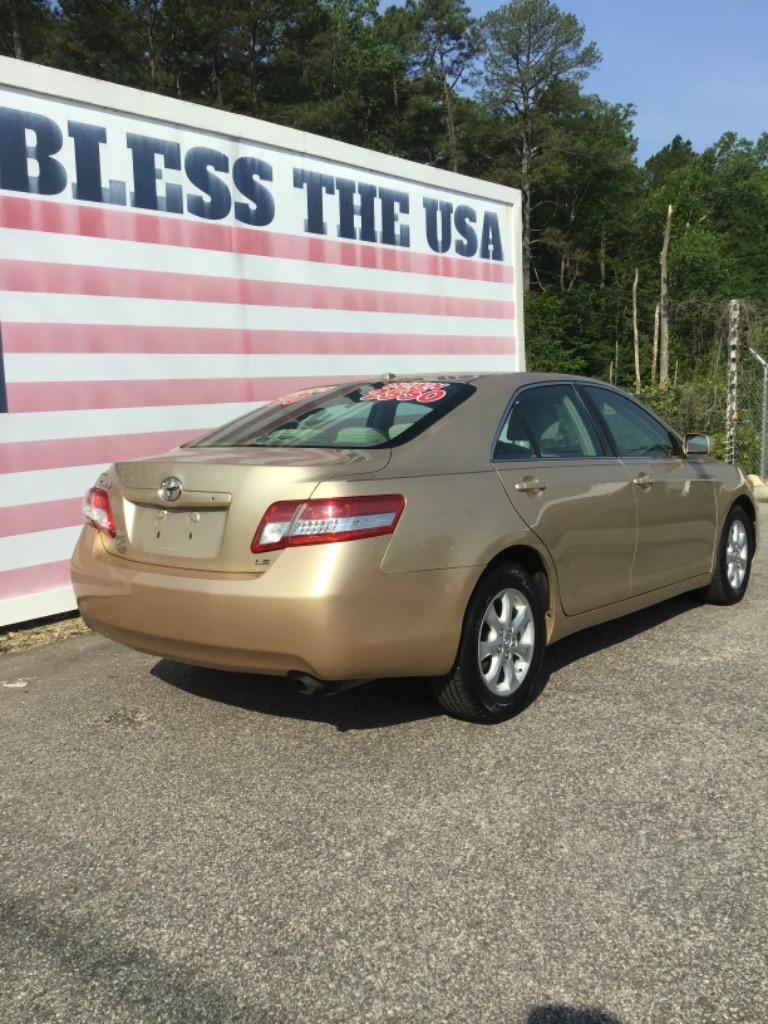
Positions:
(450, 527)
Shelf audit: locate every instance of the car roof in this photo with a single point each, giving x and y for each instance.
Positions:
(490, 383)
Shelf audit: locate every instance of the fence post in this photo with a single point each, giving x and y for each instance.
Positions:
(764, 433)
(732, 408)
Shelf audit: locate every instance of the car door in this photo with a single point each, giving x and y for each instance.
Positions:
(676, 505)
(571, 491)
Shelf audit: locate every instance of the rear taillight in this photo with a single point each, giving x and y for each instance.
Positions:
(326, 520)
(97, 511)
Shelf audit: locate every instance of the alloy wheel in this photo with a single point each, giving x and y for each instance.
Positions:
(506, 642)
(736, 554)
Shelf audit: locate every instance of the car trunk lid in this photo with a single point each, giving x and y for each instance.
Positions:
(199, 508)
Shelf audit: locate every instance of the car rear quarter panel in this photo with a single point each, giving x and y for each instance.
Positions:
(450, 520)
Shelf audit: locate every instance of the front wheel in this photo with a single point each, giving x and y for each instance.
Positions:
(734, 560)
(501, 650)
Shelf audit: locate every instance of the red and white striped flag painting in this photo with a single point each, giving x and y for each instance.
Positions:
(165, 267)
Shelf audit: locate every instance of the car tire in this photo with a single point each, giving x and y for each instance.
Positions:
(734, 560)
(488, 689)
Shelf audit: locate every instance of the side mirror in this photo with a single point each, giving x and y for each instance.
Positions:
(698, 444)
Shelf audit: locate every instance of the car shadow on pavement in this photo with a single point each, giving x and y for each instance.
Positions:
(374, 705)
(562, 1014)
(388, 702)
(609, 634)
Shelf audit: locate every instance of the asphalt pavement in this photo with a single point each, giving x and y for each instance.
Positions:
(191, 847)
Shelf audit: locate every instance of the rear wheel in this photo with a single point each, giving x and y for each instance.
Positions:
(734, 560)
(501, 649)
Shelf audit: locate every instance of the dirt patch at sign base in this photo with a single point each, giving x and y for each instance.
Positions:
(36, 634)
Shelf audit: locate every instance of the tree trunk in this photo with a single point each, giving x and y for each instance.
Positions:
(18, 49)
(450, 123)
(215, 81)
(151, 45)
(664, 305)
(636, 333)
(253, 68)
(525, 188)
(602, 257)
(655, 356)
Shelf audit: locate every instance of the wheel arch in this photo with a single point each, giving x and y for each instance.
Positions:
(532, 561)
(749, 508)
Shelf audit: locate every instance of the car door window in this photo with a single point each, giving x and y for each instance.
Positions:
(558, 426)
(635, 432)
(513, 441)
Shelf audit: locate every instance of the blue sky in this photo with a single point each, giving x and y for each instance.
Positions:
(696, 68)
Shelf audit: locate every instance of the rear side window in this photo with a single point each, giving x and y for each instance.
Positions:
(514, 441)
(557, 424)
(373, 415)
(635, 432)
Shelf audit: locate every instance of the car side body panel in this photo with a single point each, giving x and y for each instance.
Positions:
(677, 521)
(565, 625)
(585, 515)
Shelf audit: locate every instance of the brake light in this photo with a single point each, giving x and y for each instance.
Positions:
(326, 520)
(97, 511)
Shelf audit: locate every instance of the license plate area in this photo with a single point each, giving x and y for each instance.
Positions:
(181, 533)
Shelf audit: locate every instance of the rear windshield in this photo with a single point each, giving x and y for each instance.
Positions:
(375, 415)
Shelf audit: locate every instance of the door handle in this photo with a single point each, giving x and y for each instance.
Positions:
(643, 480)
(530, 485)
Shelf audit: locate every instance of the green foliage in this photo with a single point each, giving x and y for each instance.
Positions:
(696, 406)
(530, 45)
(499, 99)
(27, 28)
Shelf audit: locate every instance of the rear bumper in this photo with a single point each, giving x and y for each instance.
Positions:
(344, 619)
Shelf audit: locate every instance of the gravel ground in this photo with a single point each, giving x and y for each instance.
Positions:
(190, 847)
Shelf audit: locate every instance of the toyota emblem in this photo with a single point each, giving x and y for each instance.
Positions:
(171, 488)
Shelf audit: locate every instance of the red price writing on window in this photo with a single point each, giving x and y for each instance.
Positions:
(298, 396)
(407, 391)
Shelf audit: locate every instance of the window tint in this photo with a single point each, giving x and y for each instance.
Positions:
(514, 441)
(635, 432)
(557, 424)
(374, 415)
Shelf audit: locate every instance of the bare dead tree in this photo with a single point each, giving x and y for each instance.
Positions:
(655, 355)
(664, 304)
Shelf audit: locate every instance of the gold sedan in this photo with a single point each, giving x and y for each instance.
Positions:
(449, 526)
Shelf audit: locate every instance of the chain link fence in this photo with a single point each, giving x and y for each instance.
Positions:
(752, 425)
